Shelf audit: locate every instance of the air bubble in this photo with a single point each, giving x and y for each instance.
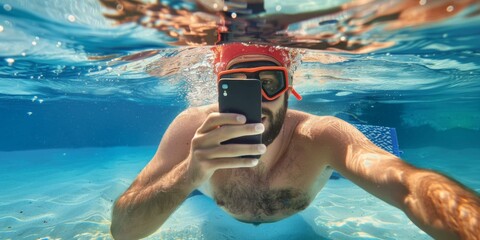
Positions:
(234, 15)
(59, 44)
(450, 8)
(40, 101)
(34, 43)
(422, 2)
(29, 113)
(1, 28)
(445, 35)
(24, 54)
(71, 18)
(215, 5)
(225, 8)
(278, 8)
(34, 98)
(10, 61)
(109, 69)
(7, 7)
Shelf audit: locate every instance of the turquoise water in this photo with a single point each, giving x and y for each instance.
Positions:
(79, 120)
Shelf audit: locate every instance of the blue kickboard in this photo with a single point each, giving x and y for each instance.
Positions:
(384, 137)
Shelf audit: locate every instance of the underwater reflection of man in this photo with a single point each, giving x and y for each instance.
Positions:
(299, 153)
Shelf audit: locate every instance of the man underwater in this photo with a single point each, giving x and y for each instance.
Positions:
(298, 154)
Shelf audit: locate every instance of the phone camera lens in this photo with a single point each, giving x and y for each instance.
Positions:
(224, 86)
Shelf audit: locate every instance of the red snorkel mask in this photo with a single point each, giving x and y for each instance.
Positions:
(230, 54)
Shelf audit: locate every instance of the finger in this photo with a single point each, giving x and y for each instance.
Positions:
(217, 119)
(231, 150)
(224, 163)
(225, 133)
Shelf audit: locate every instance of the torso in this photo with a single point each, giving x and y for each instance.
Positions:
(284, 182)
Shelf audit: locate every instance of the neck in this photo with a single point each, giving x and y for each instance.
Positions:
(274, 151)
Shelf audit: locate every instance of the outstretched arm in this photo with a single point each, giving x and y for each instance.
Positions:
(437, 204)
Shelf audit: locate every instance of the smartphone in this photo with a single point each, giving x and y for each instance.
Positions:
(242, 96)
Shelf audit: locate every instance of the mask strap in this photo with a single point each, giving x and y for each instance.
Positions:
(296, 94)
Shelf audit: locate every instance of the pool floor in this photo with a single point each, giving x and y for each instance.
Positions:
(68, 194)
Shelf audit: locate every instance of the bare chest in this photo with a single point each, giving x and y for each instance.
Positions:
(258, 195)
(253, 198)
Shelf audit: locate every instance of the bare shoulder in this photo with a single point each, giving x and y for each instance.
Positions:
(184, 126)
(327, 133)
(175, 144)
(176, 141)
(196, 114)
(312, 126)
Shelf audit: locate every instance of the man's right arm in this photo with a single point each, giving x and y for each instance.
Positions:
(189, 153)
(160, 187)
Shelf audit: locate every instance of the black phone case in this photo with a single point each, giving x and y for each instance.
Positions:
(243, 97)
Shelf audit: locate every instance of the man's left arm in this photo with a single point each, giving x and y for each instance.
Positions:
(437, 204)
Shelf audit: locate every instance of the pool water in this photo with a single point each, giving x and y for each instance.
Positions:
(68, 193)
(81, 115)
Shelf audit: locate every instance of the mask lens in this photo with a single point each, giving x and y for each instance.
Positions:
(273, 81)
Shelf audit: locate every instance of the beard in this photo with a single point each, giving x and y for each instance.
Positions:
(275, 122)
